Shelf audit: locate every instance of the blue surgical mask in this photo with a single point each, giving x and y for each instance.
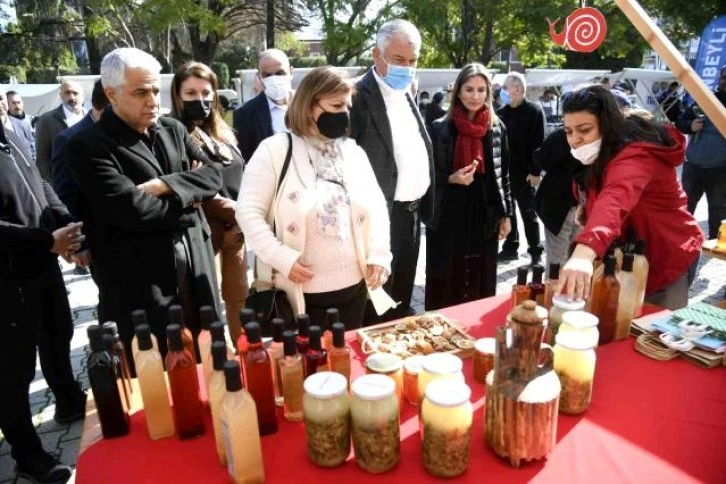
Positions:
(504, 97)
(399, 77)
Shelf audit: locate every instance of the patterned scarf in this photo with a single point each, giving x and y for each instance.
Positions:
(469, 146)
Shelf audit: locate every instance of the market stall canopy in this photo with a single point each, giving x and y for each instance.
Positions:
(562, 77)
(646, 84)
(38, 98)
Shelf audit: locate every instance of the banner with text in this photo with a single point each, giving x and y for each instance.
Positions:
(712, 52)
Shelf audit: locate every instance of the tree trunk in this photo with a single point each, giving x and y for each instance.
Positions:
(487, 48)
(94, 51)
(270, 24)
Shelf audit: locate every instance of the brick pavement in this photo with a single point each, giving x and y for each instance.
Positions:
(64, 440)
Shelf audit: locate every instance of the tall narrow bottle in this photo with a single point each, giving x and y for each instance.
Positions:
(176, 316)
(291, 370)
(118, 354)
(246, 315)
(536, 288)
(276, 353)
(106, 386)
(184, 383)
(551, 285)
(339, 354)
(640, 270)
(204, 340)
(216, 333)
(332, 316)
(599, 269)
(216, 392)
(303, 333)
(154, 394)
(628, 299)
(316, 359)
(604, 302)
(241, 432)
(258, 378)
(520, 291)
(138, 317)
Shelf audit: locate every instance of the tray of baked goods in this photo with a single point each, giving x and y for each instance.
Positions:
(417, 335)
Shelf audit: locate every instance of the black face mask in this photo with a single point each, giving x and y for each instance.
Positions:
(333, 125)
(196, 110)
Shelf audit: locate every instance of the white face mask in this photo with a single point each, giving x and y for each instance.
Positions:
(277, 88)
(587, 154)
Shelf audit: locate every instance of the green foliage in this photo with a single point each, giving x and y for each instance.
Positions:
(309, 61)
(222, 71)
(49, 75)
(237, 55)
(7, 71)
(288, 43)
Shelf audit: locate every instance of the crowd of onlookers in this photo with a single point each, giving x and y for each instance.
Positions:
(329, 186)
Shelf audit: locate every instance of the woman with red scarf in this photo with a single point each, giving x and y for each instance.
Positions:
(473, 202)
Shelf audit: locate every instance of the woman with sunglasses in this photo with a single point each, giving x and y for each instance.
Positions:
(630, 187)
(473, 203)
(195, 103)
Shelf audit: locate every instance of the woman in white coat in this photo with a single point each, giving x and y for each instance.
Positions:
(331, 228)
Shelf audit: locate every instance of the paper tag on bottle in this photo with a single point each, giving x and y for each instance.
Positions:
(382, 302)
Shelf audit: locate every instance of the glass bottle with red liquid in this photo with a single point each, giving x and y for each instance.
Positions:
(275, 349)
(184, 383)
(339, 353)
(316, 359)
(536, 288)
(303, 333)
(258, 379)
(246, 315)
(332, 316)
(520, 291)
(176, 316)
(604, 302)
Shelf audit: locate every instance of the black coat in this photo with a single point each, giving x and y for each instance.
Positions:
(496, 159)
(371, 129)
(252, 123)
(134, 233)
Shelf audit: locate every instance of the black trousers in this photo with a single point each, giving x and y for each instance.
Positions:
(350, 301)
(35, 312)
(405, 243)
(523, 196)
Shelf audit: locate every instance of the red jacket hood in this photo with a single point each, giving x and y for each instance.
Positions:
(673, 155)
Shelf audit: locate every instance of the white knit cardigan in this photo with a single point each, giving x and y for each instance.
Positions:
(369, 215)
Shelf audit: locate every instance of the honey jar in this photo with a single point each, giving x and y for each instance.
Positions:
(483, 358)
(411, 369)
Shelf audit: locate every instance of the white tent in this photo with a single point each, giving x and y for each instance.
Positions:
(38, 98)
(562, 77)
(646, 85)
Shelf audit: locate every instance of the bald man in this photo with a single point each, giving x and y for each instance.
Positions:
(264, 115)
(53, 122)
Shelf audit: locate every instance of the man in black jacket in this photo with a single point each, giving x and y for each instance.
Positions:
(151, 243)
(35, 228)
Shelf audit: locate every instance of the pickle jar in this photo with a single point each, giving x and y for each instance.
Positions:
(484, 349)
(575, 366)
(387, 364)
(326, 406)
(447, 416)
(438, 366)
(374, 417)
(560, 306)
(411, 369)
(581, 322)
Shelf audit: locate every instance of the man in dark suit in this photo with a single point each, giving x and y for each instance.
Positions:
(151, 243)
(53, 122)
(16, 125)
(403, 164)
(264, 115)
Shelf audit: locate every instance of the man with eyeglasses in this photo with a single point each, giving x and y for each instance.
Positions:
(403, 163)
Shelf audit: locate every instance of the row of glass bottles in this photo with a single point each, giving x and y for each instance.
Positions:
(538, 290)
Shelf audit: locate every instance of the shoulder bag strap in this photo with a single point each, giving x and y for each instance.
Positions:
(285, 167)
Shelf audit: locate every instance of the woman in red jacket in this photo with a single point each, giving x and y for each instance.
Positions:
(630, 186)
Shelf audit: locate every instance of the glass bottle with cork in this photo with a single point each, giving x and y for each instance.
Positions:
(216, 391)
(537, 288)
(152, 383)
(551, 284)
(520, 291)
(628, 298)
(276, 353)
(292, 373)
(316, 359)
(604, 302)
(176, 316)
(258, 378)
(640, 270)
(339, 353)
(184, 382)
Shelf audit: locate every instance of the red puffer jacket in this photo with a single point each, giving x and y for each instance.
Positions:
(640, 189)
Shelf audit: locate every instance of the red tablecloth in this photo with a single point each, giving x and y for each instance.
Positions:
(649, 421)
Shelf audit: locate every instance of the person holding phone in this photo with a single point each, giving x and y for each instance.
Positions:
(473, 200)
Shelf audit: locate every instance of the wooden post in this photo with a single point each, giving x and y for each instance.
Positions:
(711, 106)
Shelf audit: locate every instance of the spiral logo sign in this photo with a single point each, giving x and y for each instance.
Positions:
(584, 31)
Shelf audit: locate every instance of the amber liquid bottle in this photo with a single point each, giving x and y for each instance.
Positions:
(604, 303)
(551, 285)
(216, 391)
(106, 385)
(332, 316)
(258, 378)
(537, 289)
(276, 353)
(628, 299)
(303, 334)
(118, 354)
(640, 271)
(154, 394)
(339, 354)
(204, 340)
(138, 317)
(246, 315)
(176, 316)
(292, 372)
(521, 291)
(184, 383)
(316, 359)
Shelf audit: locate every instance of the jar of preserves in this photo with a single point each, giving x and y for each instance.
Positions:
(387, 364)
(438, 366)
(560, 306)
(374, 416)
(581, 322)
(411, 369)
(575, 366)
(447, 416)
(484, 349)
(326, 406)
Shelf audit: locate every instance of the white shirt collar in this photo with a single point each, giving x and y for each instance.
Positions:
(272, 104)
(70, 114)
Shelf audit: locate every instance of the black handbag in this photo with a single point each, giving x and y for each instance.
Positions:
(271, 303)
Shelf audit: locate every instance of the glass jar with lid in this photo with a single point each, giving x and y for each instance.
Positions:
(575, 366)
(581, 322)
(560, 306)
(387, 364)
(411, 369)
(484, 349)
(447, 416)
(374, 416)
(438, 366)
(326, 406)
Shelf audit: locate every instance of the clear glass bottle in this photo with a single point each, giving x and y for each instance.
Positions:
(316, 359)
(581, 322)
(640, 270)
(438, 366)
(521, 290)
(411, 369)
(537, 288)
(154, 394)
(184, 384)
(604, 302)
(293, 374)
(239, 428)
(216, 391)
(628, 299)
(574, 364)
(138, 317)
(339, 353)
(447, 416)
(258, 378)
(551, 284)
(560, 306)
(387, 364)
(326, 406)
(375, 423)
(276, 353)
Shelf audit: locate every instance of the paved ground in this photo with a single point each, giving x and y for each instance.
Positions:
(64, 440)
